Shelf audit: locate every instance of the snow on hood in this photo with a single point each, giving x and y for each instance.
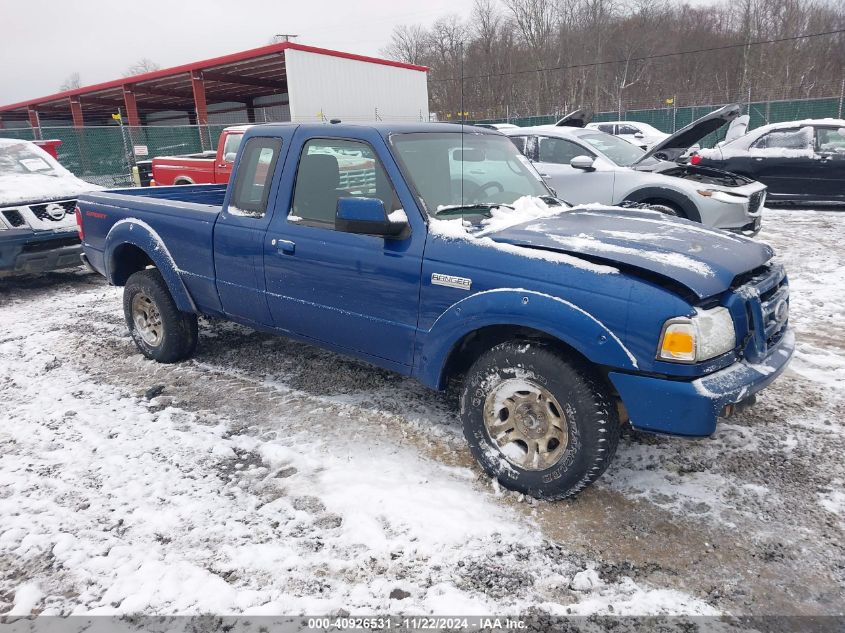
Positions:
(29, 174)
(24, 188)
(600, 239)
(525, 209)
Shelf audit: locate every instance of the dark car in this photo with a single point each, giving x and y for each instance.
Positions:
(799, 161)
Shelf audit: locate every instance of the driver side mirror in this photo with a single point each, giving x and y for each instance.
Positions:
(639, 135)
(367, 216)
(584, 163)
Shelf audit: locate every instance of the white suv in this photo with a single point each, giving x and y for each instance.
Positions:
(640, 134)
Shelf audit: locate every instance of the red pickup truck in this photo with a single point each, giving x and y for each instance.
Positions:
(203, 168)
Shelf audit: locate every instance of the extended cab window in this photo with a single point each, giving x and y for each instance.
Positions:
(558, 150)
(330, 169)
(254, 175)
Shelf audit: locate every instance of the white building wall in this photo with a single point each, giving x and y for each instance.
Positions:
(352, 90)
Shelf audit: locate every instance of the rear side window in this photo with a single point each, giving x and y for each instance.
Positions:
(607, 128)
(330, 169)
(519, 141)
(831, 140)
(253, 177)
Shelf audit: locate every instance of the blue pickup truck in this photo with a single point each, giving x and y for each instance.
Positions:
(437, 251)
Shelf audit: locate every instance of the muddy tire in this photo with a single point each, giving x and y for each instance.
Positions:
(160, 331)
(539, 423)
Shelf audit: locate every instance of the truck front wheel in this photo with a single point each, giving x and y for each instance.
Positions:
(537, 422)
(160, 331)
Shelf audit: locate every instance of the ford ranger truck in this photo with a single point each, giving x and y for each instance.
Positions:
(452, 262)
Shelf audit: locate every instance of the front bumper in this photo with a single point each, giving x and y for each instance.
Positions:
(26, 251)
(692, 407)
(749, 230)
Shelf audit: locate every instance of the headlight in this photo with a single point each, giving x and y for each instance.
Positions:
(708, 334)
(722, 196)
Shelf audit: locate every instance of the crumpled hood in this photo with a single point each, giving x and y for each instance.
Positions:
(702, 259)
(26, 188)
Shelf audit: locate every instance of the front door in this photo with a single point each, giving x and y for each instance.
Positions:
(354, 292)
(785, 161)
(576, 186)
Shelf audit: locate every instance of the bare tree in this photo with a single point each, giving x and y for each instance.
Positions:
(143, 65)
(71, 82)
(407, 44)
(544, 56)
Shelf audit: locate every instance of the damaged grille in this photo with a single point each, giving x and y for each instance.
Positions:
(766, 296)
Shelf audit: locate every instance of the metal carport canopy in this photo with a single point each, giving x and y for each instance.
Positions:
(239, 77)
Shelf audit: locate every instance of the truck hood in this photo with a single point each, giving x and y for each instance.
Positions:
(576, 118)
(25, 188)
(703, 260)
(673, 147)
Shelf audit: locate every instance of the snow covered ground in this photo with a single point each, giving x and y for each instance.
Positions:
(269, 477)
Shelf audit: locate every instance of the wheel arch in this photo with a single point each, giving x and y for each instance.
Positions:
(485, 319)
(656, 195)
(132, 245)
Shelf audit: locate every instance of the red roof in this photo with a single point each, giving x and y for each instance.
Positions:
(260, 70)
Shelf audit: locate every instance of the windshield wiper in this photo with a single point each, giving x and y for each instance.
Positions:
(486, 206)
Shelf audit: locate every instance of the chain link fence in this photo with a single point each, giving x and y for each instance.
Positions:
(673, 117)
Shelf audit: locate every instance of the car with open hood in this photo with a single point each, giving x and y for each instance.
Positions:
(453, 262)
(801, 162)
(37, 201)
(584, 165)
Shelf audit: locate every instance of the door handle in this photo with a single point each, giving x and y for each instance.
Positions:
(284, 246)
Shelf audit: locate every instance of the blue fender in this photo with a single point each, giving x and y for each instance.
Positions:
(521, 308)
(140, 234)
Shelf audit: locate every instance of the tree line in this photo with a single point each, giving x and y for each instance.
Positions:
(527, 57)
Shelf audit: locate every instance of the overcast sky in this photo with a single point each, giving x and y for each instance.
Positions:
(44, 41)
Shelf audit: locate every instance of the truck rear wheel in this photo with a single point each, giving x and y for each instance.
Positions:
(160, 331)
(538, 423)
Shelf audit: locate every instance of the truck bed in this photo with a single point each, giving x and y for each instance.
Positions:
(206, 195)
(183, 218)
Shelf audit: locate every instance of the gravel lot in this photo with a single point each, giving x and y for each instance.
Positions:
(268, 476)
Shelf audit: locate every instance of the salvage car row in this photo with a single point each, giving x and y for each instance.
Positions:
(452, 254)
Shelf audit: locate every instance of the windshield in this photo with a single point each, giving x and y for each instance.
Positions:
(24, 158)
(458, 173)
(616, 149)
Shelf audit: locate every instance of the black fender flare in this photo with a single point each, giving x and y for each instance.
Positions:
(648, 193)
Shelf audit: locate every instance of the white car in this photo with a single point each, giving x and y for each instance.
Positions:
(586, 166)
(38, 229)
(640, 134)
